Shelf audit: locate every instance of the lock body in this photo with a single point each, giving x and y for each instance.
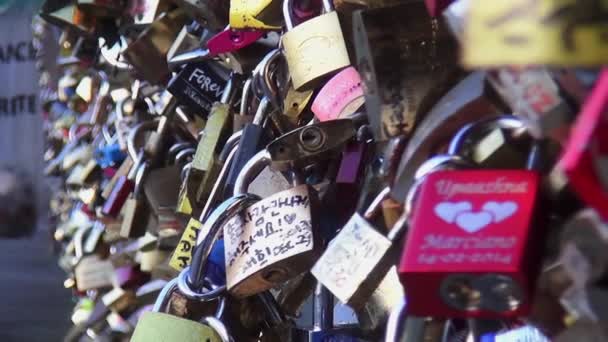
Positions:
(198, 86)
(271, 242)
(156, 326)
(470, 251)
(315, 49)
(405, 59)
(341, 96)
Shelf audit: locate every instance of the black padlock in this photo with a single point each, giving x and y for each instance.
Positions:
(199, 85)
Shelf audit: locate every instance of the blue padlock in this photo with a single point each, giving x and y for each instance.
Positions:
(109, 155)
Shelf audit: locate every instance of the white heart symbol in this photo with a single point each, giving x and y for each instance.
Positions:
(500, 211)
(448, 210)
(472, 222)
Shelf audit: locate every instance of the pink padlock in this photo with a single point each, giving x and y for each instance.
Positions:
(340, 96)
(585, 157)
(231, 40)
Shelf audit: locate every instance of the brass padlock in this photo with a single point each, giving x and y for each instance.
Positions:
(148, 53)
(315, 48)
(245, 14)
(157, 326)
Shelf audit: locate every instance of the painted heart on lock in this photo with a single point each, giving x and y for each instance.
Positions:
(461, 213)
(448, 211)
(472, 222)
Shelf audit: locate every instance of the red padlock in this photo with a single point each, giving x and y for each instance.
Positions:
(471, 247)
(585, 156)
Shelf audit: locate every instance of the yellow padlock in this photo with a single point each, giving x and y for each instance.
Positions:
(315, 48)
(245, 14)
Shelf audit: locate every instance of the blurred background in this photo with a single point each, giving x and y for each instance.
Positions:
(34, 306)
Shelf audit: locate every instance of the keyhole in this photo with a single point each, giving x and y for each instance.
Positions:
(274, 275)
(312, 138)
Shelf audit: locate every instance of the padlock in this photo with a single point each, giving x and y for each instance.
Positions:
(148, 54)
(534, 95)
(101, 8)
(122, 188)
(159, 326)
(254, 261)
(585, 166)
(341, 96)
(189, 38)
(469, 100)
(242, 118)
(405, 65)
(252, 140)
(199, 85)
(204, 169)
(71, 18)
(92, 272)
(303, 43)
(136, 210)
(473, 243)
(212, 14)
(161, 188)
(246, 14)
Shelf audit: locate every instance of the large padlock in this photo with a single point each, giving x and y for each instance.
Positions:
(303, 43)
(406, 63)
(472, 249)
(274, 239)
(159, 326)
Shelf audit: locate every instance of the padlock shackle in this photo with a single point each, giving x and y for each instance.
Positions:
(151, 125)
(376, 205)
(262, 112)
(218, 218)
(245, 96)
(175, 149)
(219, 184)
(250, 171)
(183, 154)
(461, 137)
(227, 93)
(164, 296)
(394, 326)
(139, 178)
(229, 146)
(194, 56)
(219, 327)
(213, 293)
(263, 83)
(328, 6)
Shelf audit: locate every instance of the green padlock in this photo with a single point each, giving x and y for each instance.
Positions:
(155, 326)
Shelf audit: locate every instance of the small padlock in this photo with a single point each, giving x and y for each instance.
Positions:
(123, 186)
(471, 249)
(340, 97)
(303, 43)
(535, 96)
(406, 64)
(136, 210)
(159, 326)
